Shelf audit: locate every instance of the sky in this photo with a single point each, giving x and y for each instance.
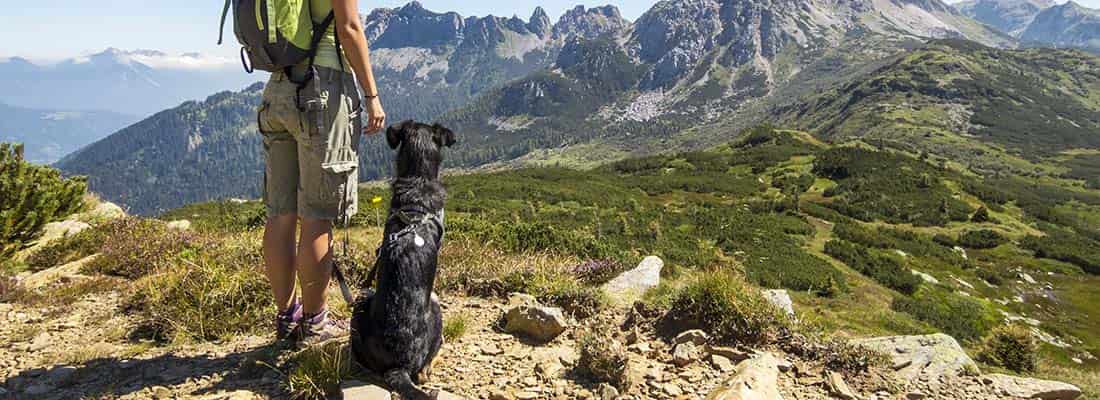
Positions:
(50, 30)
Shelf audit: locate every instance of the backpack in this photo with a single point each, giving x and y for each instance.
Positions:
(275, 35)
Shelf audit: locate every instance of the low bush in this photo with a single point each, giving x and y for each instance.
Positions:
(602, 358)
(316, 372)
(982, 215)
(1068, 247)
(1010, 346)
(455, 327)
(964, 318)
(211, 294)
(598, 272)
(223, 216)
(68, 249)
(30, 197)
(884, 269)
(981, 239)
(134, 247)
(723, 304)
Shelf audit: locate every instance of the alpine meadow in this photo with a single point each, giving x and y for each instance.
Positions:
(719, 199)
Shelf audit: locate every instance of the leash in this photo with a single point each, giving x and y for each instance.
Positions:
(337, 271)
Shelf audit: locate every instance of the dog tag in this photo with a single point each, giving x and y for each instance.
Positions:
(419, 241)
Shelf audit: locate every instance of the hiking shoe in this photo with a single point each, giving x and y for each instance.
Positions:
(286, 322)
(320, 328)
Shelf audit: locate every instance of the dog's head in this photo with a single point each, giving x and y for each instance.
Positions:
(419, 147)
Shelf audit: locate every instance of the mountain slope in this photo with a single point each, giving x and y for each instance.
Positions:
(425, 63)
(428, 62)
(138, 82)
(1009, 16)
(197, 151)
(1068, 25)
(50, 134)
(996, 110)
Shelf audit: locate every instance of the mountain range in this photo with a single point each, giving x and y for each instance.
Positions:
(139, 82)
(1040, 23)
(47, 135)
(593, 87)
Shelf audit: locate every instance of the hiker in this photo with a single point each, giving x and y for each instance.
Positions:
(310, 121)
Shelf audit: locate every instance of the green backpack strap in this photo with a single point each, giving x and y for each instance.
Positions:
(225, 13)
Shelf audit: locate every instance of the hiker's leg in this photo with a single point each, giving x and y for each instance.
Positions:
(279, 257)
(314, 263)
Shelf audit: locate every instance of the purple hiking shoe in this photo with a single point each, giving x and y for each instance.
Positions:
(320, 328)
(287, 322)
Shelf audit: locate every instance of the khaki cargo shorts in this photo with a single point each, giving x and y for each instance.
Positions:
(311, 156)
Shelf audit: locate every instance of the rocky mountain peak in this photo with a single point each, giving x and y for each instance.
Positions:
(590, 23)
(540, 23)
(412, 26)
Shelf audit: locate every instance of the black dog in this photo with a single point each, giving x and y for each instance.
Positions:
(397, 330)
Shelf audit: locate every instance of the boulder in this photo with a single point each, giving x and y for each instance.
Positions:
(695, 336)
(629, 286)
(180, 225)
(781, 299)
(68, 271)
(926, 277)
(355, 390)
(926, 356)
(838, 388)
(684, 354)
(753, 379)
(537, 322)
(57, 230)
(104, 211)
(1030, 388)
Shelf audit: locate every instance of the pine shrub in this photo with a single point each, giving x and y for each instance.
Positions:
(1010, 346)
(32, 196)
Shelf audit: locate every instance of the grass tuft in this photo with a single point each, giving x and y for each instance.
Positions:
(602, 358)
(316, 372)
(455, 327)
(723, 304)
(1012, 347)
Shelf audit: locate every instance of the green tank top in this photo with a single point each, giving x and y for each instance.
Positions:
(326, 50)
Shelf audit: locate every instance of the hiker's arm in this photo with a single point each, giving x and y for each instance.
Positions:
(350, 30)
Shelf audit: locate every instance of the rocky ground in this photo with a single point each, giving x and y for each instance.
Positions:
(512, 348)
(82, 350)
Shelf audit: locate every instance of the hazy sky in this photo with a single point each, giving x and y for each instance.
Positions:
(52, 29)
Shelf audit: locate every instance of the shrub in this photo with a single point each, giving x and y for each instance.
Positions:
(597, 272)
(981, 239)
(30, 197)
(945, 240)
(1068, 247)
(882, 268)
(602, 358)
(729, 308)
(316, 372)
(1012, 347)
(134, 247)
(212, 294)
(68, 249)
(223, 216)
(964, 318)
(455, 327)
(982, 215)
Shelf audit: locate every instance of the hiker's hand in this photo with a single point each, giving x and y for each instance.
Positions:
(376, 117)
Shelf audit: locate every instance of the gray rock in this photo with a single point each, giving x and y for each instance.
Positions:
(39, 389)
(180, 225)
(684, 354)
(355, 390)
(58, 230)
(695, 336)
(753, 379)
(927, 357)
(781, 299)
(731, 353)
(607, 392)
(838, 388)
(721, 364)
(631, 285)
(1030, 388)
(926, 277)
(538, 322)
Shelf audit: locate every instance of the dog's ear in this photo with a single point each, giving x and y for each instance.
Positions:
(443, 136)
(395, 134)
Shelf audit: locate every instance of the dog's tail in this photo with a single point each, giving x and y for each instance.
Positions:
(401, 382)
